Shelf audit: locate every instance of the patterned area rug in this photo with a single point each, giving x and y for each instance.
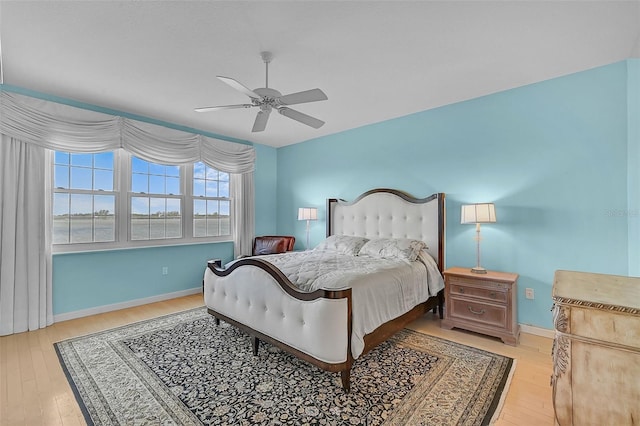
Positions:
(182, 369)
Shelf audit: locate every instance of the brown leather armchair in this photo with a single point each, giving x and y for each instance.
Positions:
(271, 244)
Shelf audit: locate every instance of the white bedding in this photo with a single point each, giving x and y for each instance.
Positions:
(382, 289)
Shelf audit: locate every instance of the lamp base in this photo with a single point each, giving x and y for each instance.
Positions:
(478, 270)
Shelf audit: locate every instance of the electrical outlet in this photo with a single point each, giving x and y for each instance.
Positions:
(165, 270)
(528, 293)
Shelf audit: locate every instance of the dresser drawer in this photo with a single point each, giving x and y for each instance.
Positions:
(494, 292)
(478, 312)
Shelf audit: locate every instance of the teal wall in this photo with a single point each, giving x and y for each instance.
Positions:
(266, 182)
(633, 115)
(91, 279)
(552, 156)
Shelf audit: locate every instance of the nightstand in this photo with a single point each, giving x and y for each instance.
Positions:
(484, 303)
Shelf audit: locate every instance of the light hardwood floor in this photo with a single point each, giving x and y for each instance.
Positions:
(35, 391)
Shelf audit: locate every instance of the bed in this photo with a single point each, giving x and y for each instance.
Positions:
(332, 318)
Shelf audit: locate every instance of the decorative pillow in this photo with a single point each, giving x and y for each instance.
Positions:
(393, 248)
(344, 244)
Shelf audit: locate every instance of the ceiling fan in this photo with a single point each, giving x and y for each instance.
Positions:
(268, 99)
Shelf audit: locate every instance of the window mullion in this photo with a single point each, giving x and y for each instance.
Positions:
(187, 201)
(124, 198)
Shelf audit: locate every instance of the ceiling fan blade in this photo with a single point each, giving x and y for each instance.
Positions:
(312, 95)
(261, 121)
(217, 108)
(240, 87)
(302, 118)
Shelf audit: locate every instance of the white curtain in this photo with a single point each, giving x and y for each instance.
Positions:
(243, 196)
(25, 249)
(30, 129)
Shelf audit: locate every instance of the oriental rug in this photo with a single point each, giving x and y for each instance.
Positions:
(183, 369)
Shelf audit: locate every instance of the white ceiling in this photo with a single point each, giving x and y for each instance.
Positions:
(375, 60)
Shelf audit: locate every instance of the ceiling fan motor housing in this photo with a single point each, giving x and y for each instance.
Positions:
(269, 96)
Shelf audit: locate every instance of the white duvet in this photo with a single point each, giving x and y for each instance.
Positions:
(382, 289)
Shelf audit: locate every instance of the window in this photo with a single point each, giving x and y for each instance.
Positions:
(211, 204)
(115, 199)
(156, 203)
(84, 201)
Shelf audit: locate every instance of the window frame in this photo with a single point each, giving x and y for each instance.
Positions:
(123, 196)
(206, 198)
(130, 195)
(92, 192)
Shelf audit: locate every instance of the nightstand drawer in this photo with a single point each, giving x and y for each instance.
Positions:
(494, 292)
(479, 313)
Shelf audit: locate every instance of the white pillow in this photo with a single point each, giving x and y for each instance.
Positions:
(344, 244)
(393, 248)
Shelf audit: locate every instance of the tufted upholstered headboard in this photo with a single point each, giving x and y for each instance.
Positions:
(389, 213)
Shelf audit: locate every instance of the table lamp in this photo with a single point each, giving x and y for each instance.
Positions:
(478, 213)
(308, 214)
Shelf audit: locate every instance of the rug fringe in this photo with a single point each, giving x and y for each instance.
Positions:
(505, 391)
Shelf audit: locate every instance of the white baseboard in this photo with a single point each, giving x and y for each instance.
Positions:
(123, 305)
(537, 331)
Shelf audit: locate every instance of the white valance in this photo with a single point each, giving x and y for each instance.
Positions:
(66, 128)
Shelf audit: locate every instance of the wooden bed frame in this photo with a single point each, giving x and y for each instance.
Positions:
(434, 239)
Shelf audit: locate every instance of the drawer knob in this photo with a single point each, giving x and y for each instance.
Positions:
(492, 294)
(461, 289)
(480, 312)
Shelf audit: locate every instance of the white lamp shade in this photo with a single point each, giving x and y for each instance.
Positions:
(307, 213)
(478, 213)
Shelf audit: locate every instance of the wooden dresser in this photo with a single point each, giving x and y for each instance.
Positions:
(484, 303)
(596, 351)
